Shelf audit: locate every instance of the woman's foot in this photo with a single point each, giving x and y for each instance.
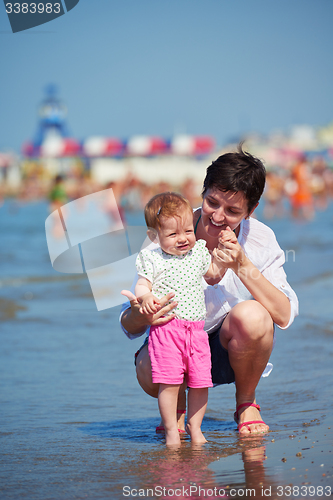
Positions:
(181, 420)
(249, 421)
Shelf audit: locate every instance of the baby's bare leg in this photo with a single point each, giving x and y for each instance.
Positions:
(197, 404)
(167, 403)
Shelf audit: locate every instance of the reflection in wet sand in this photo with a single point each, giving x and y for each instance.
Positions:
(185, 473)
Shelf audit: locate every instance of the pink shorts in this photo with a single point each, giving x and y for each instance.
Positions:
(180, 348)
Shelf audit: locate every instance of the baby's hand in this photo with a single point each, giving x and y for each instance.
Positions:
(229, 250)
(226, 236)
(149, 304)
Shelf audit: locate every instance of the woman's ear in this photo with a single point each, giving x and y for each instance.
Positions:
(152, 235)
(253, 209)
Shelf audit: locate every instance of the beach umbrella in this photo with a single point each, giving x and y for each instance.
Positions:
(30, 150)
(5, 159)
(70, 147)
(142, 145)
(102, 146)
(113, 147)
(57, 147)
(192, 145)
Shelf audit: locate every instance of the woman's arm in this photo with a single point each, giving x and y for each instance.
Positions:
(262, 290)
(232, 255)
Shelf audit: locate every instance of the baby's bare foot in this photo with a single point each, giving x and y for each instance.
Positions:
(172, 438)
(196, 435)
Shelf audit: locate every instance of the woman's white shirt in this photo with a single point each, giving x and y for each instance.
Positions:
(260, 246)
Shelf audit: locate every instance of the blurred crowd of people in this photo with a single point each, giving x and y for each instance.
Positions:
(130, 194)
(300, 190)
(306, 187)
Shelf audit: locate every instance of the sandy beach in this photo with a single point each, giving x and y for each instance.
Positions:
(76, 424)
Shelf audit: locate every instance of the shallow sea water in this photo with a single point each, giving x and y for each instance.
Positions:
(76, 424)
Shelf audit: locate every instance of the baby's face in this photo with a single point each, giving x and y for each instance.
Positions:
(176, 235)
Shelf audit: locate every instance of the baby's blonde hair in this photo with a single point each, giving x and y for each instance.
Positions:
(167, 204)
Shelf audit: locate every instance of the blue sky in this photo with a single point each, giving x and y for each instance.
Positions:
(160, 67)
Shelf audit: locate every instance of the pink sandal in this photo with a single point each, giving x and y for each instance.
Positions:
(160, 428)
(236, 417)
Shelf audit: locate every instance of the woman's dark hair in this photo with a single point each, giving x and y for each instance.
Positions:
(237, 172)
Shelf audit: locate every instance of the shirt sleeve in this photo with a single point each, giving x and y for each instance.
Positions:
(144, 265)
(277, 276)
(269, 258)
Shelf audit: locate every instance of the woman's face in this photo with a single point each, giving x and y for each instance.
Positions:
(221, 209)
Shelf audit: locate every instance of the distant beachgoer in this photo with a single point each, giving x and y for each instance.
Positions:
(189, 191)
(180, 347)
(114, 210)
(245, 305)
(301, 199)
(319, 183)
(58, 195)
(273, 195)
(58, 198)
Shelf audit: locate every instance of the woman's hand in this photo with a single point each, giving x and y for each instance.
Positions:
(232, 255)
(135, 322)
(229, 252)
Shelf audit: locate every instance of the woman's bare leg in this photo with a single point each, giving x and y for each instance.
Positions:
(197, 404)
(247, 334)
(143, 373)
(167, 403)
